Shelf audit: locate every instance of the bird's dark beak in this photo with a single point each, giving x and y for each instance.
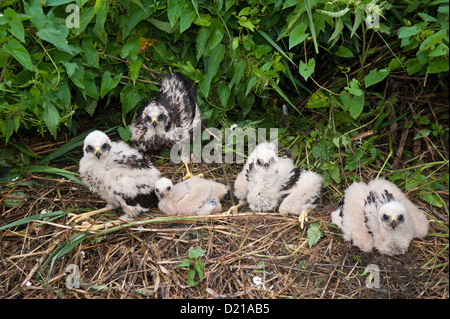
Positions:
(97, 152)
(266, 164)
(154, 121)
(161, 195)
(394, 223)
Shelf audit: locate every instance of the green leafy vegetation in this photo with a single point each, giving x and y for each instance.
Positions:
(194, 265)
(351, 76)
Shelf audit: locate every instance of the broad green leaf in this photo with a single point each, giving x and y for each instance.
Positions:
(57, 38)
(129, 97)
(124, 132)
(196, 252)
(406, 32)
(318, 100)
(298, 35)
(15, 24)
(354, 104)
(307, 69)
(174, 9)
(191, 275)
(200, 42)
(130, 48)
(344, 52)
(224, 93)
(375, 76)
(216, 34)
(187, 17)
(18, 52)
(70, 68)
(51, 118)
(198, 266)
(185, 263)
(314, 233)
(135, 67)
(203, 20)
(108, 83)
(215, 58)
(438, 65)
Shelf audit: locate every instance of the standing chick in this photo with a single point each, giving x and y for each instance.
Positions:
(195, 196)
(378, 215)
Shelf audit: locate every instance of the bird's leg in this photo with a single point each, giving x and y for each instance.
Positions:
(75, 218)
(87, 226)
(234, 209)
(303, 217)
(189, 174)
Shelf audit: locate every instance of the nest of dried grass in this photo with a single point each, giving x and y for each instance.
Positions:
(248, 255)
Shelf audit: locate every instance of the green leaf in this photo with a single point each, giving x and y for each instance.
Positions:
(307, 69)
(191, 275)
(344, 52)
(15, 24)
(298, 35)
(432, 198)
(174, 9)
(129, 97)
(224, 93)
(438, 65)
(318, 100)
(70, 67)
(314, 233)
(216, 34)
(406, 32)
(375, 76)
(198, 266)
(18, 52)
(108, 83)
(200, 42)
(185, 263)
(51, 118)
(215, 58)
(196, 252)
(57, 38)
(135, 67)
(354, 104)
(187, 17)
(124, 132)
(130, 48)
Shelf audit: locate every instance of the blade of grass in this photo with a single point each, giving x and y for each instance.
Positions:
(55, 171)
(311, 25)
(276, 46)
(28, 219)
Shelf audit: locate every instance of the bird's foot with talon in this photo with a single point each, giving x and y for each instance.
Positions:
(87, 226)
(234, 209)
(303, 217)
(76, 218)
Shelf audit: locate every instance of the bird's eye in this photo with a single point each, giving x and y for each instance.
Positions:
(258, 162)
(169, 188)
(161, 118)
(157, 190)
(401, 218)
(148, 118)
(385, 217)
(105, 147)
(89, 148)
